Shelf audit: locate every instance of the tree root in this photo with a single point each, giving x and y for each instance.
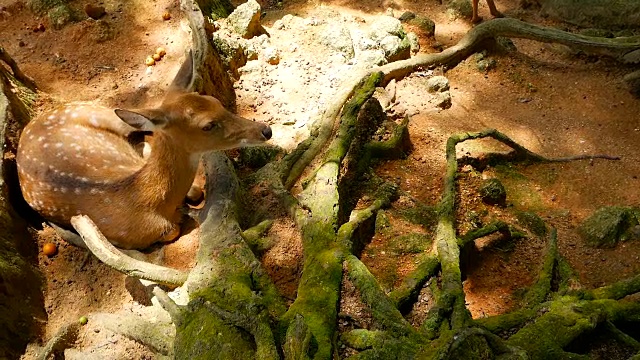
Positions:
(107, 253)
(470, 43)
(156, 335)
(63, 339)
(17, 73)
(383, 309)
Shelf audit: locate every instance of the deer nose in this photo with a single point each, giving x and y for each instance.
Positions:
(266, 132)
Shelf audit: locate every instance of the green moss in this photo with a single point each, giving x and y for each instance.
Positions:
(413, 243)
(42, 6)
(522, 192)
(609, 225)
(61, 15)
(532, 222)
(257, 157)
(202, 335)
(420, 214)
(317, 300)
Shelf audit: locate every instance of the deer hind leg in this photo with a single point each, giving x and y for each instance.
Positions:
(475, 18)
(69, 236)
(492, 8)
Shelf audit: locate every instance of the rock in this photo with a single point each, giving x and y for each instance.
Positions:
(94, 12)
(271, 55)
(492, 192)
(338, 38)
(443, 100)
(231, 50)
(486, 64)
(437, 84)
(633, 83)
(374, 57)
(395, 48)
(384, 27)
(426, 25)
(460, 8)
(245, 20)
(60, 16)
(406, 16)
(532, 222)
(103, 31)
(609, 225)
(632, 57)
(414, 43)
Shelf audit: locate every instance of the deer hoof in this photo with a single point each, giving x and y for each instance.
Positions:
(172, 234)
(195, 195)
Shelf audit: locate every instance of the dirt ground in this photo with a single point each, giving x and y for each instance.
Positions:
(551, 101)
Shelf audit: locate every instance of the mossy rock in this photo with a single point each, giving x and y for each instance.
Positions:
(609, 225)
(492, 192)
(426, 25)
(532, 222)
(61, 15)
(42, 6)
(460, 8)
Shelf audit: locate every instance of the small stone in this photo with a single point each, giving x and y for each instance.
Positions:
(271, 56)
(94, 12)
(493, 192)
(437, 84)
(166, 16)
(406, 16)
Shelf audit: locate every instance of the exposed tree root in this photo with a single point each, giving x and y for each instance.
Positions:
(234, 309)
(472, 42)
(107, 253)
(63, 339)
(15, 69)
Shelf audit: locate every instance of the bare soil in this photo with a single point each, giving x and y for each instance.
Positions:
(552, 101)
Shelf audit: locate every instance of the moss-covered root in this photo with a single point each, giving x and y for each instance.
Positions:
(380, 345)
(408, 291)
(539, 291)
(64, 338)
(297, 340)
(382, 308)
(565, 319)
(616, 290)
(339, 146)
(494, 227)
(393, 148)
(386, 193)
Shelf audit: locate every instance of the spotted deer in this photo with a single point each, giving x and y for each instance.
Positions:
(492, 8)
(78, 159)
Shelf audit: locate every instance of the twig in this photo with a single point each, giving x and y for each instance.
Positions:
(107, 253)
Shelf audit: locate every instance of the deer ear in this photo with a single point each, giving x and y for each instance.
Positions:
(184, 78)
(146, 120)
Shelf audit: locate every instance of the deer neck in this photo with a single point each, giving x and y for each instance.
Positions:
(167, 175)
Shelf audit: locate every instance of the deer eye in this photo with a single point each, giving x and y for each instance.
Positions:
(210, 126)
